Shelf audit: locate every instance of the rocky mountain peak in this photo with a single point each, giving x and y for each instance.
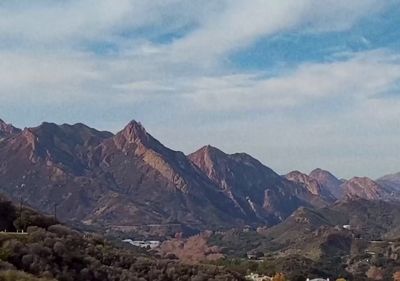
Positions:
(363, 182)
(135, 132)
(328, 181)
(362, 187)
(209, 149)
(2, 123)
(324, 176)
(311, 184)
(207, 156)
(7, 129)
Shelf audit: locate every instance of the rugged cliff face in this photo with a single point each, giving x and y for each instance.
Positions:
(328, 181)
(7, 130)
(52, 164)
(311, 184)
(357, 187)
(255, 189)
(161, 185)
(364, 188)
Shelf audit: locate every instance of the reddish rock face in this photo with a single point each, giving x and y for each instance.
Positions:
(364, 188)
(255, 189)
(328, 181)
(312, 185)
(7, 130)
(355, 188)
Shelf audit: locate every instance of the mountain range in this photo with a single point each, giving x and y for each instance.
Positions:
(129, 181)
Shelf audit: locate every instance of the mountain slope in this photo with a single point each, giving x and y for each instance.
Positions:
(364, 188)
(131, 182)
(50, 251)
(255, 189)
(328, 181)
(356, 187)
(160, 181)
(343, 239)
(391, 181)
(51, 164)
(111, 181)
(311, 185)
(372, 219)
(315, 232)
(7, 130)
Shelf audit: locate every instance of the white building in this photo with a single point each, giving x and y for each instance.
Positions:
(257, 277)
(143, 244)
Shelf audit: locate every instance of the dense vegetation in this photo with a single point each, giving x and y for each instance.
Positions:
(309, 244)
(301, 247)
(295, 267)
(55, 252)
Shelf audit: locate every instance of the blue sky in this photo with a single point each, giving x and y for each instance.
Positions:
(298, 84)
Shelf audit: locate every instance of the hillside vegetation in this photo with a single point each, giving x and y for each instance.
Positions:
(56, 252)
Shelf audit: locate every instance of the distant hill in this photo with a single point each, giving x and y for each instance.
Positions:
(307, 231)
(357, 187)
(370, 220)
(349, 239)
(365, 188)
(391, 181)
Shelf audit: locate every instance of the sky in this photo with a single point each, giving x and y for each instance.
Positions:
(298, 84)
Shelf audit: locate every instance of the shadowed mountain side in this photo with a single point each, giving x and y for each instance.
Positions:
(255, 189)
(391, 182)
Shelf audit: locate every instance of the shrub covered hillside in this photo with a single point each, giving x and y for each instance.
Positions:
(55, 252)
(13, 219)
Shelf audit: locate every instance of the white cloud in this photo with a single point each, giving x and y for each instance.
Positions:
(45, 78)
(45, 64)
(243, 22)
(22, 69)
(49, 23)
(65, 28)
(219, 27)
(359, 76)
